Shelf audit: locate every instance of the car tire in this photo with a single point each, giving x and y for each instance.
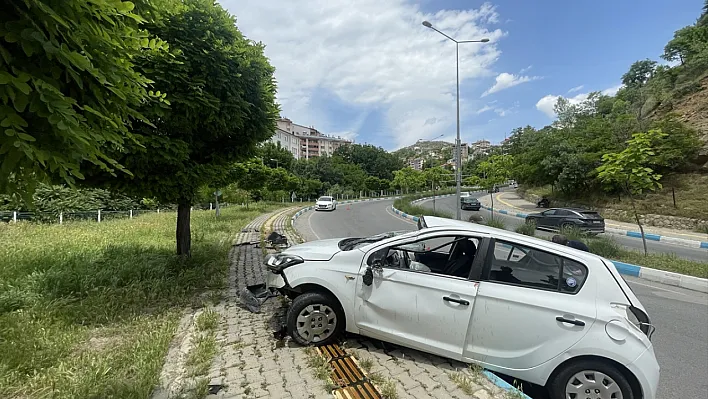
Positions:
(567, 226)
(531, 220)
(568, 380)
(324, 315)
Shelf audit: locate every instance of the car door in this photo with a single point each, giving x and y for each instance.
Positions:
(531, 306)
(548, 219)
(423, 310)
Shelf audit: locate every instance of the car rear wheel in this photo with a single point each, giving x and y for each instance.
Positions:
(315, 318)
(567, 226)
(590, 379)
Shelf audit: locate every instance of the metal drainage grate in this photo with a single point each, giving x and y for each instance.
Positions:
(346, 373)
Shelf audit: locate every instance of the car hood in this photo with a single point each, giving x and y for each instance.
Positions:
(315, 250)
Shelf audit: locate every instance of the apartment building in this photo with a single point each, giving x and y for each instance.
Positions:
(309, 141)
(288, 141)
(416, 163)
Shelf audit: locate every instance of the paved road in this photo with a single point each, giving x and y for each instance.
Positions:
(697, 254)
(680, 316)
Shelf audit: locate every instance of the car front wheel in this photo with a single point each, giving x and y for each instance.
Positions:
(315, 318)
(590, 379)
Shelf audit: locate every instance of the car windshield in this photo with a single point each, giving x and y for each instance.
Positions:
(348, 244)
(325, 199)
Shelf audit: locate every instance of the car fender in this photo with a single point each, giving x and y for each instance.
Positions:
(341, 285)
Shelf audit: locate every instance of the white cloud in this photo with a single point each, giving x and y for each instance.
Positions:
(372, 55)
(506, 80)
(611, 91)
(485, 109)
(546, 103)
(524, 70)
(576, 88)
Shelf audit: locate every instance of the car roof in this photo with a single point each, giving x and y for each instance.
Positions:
(435, 224)
(576, 209)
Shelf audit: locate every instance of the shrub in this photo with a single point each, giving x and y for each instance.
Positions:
(604, 246)
(528, 229)
(573, 233)
(497, 223)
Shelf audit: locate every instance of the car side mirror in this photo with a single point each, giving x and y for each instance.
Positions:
(368, 278)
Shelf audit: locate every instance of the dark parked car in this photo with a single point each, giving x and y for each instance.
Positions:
(470, 203)
(558, 218)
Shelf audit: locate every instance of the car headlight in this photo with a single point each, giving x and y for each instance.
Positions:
(277, 262)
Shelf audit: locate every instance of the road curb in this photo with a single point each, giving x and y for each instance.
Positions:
(659, 276)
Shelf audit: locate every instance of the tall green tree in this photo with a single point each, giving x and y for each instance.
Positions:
(222, 103)
(69, 89)
(375, 161)
(276, 156)
(630, 169)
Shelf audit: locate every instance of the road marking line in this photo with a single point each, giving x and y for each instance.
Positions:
(309, 223)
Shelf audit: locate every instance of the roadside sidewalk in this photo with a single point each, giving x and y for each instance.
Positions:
(509, 202)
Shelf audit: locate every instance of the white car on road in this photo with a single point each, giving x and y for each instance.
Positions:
(528, 308)
(326, 203)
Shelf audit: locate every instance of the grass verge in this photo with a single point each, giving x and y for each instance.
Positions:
(90, 310)
(608, 248)
(404, 205)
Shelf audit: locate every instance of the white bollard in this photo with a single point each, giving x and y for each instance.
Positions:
(61, 217)
(14, 216)
(210, 206)
(131, 213)
(158, 210)
(99, 216)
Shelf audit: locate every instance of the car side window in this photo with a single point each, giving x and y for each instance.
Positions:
(563, 212)
(549, 212)
(448, 255)
(529, 267)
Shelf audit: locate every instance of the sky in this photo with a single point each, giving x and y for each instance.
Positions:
(370, 71)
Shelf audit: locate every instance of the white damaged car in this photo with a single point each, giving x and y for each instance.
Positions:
(326, 203)
(528, 308)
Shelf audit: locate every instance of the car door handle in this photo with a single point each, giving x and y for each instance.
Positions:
(570, 321)
(460, 301)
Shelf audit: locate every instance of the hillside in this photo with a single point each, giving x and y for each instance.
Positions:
(693, 109)
(441, 150)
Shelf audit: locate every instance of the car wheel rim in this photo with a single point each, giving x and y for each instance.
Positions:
(591, 384)
(316, 323)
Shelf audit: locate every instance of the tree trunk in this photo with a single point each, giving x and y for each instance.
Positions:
(639, 223)
(184, 236)
(673, 195)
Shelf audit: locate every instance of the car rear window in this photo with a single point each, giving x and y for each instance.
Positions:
(591, 215)
(532, 268)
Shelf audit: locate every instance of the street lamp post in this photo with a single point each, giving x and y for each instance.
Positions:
(458, 149)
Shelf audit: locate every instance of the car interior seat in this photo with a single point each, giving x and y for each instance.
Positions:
(459, 263)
